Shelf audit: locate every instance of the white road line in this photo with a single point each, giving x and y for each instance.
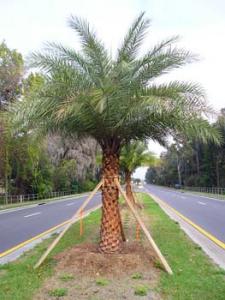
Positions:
(202, 203)
(9, 210)
(31, 215)
(69, 204)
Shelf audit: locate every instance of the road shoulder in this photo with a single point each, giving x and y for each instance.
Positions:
(216, 253)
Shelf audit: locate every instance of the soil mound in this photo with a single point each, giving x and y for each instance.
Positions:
(86, 260)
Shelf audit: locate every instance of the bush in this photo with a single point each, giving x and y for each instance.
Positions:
(87, 185)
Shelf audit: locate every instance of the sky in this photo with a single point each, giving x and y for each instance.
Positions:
(26, 24)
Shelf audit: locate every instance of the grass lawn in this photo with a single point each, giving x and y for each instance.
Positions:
(195, 277)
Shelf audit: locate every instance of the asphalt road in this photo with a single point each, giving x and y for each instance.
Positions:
(22, 224)
(206, 212)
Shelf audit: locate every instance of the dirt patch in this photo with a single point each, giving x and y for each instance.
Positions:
(95, 276)
(85, 260)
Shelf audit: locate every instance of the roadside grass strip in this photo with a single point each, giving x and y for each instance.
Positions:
(195, 275)
(200, 229)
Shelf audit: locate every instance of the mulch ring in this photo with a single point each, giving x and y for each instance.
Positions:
(86, 260)
(96, 276)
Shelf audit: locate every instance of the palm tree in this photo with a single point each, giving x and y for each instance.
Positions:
(114, 100)
(134, 155)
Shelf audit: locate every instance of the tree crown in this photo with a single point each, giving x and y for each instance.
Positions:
(136, 154)
(115, 100)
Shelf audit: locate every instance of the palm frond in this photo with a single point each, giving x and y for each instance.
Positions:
(92, 47)
(136, 154)
(88, 93)
(156, 64)
(133, 39)
(68, 55)
(181, 95)
(200, 129)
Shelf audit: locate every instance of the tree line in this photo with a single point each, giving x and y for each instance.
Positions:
(190, 162)
(29, 162)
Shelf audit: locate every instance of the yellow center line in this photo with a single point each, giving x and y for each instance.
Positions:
(200, 229)
(43, 234)
(32, 239)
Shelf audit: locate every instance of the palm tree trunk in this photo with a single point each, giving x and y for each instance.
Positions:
(111, 234)
(129, 192)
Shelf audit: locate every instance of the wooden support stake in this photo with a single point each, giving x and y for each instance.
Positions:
(145, 230)
(137, 232)
(81, 222)
(137, 201)
(72, 220)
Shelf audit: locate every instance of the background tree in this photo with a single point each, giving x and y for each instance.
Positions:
(29, 163)
(201, 164)
(134, 155)
(11, 72)
(32, 84)
(114, 100)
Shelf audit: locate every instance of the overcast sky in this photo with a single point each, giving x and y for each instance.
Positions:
(27, 24)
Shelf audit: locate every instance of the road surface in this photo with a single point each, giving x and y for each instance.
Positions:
(206, 212)
(20, 225)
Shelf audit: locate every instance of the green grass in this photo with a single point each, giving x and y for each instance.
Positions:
(60, 292)
(66, 277)
(141, 290)
(195, 276)
(102, 281)
(19, 281)
(137, 276)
